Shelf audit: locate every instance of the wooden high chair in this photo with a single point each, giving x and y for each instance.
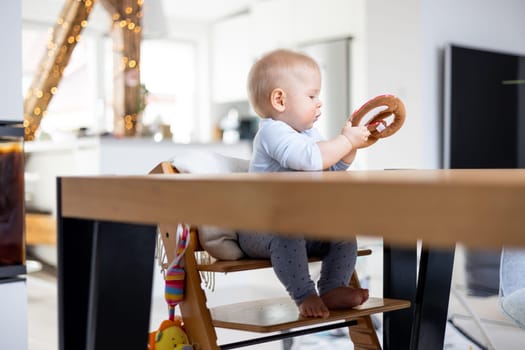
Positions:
(278, 315)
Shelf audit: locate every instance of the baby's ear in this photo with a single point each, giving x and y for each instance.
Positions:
(278, 99)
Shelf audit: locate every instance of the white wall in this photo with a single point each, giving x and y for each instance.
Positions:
(11, 62)
(486, 24)
(393, 65)
(403, 55)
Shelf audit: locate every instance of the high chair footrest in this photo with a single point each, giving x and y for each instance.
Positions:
(280, 314)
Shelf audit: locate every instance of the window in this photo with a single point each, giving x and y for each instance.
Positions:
(85, 94)
(74, 105)
(168, 71)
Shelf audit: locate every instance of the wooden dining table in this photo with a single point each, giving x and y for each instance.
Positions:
(107, 226)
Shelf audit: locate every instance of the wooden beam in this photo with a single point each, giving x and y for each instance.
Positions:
(126, 32)
(63, 40)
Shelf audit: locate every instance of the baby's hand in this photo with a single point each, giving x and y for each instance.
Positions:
(357, 135)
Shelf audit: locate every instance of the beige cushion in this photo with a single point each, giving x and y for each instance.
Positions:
(219, 242)
(206, 162)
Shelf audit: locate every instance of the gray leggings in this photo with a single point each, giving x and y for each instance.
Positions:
(289, 257)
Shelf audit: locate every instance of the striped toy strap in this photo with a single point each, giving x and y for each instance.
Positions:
(175, 275)
(183, 240)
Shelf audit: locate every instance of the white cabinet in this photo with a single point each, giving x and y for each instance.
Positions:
(238, 41)
(290, 23)
(273, 25)
(13, 296)
(232, 42)
(13, 314)
(11, 62)
(314, 20)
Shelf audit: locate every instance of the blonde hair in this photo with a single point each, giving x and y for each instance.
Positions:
(269, 72)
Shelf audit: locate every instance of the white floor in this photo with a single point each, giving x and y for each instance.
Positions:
(42, 295)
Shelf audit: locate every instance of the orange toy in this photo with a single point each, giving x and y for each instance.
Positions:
(377, 125)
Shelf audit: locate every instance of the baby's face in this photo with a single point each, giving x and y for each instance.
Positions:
(303, 106)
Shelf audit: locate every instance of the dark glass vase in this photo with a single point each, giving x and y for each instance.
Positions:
(12, 247)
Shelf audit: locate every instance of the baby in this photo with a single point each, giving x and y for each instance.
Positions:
(284, 89)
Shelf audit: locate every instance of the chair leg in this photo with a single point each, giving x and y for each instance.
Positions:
(195, 313)
(474, 317)
(363, 335)
(287, 344)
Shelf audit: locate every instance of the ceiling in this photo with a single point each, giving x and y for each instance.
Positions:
(157, 13)
(192, 10)
(202, 10)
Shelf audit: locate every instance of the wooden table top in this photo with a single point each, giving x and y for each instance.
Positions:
(481, 208)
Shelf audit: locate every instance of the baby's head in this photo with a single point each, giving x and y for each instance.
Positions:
(274, 70)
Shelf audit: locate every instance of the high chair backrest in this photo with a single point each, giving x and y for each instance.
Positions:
(218, 242)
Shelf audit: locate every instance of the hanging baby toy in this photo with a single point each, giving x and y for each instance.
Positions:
(171, 334)
(174, 279)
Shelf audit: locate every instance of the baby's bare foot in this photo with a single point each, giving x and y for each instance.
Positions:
(344, 297)
(313, 306)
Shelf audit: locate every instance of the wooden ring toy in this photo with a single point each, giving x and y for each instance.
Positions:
(377, 125)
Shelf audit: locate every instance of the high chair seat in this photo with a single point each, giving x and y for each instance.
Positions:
(250, 264)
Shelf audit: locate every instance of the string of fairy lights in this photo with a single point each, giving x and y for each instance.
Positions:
(126, 16)
(127, 34)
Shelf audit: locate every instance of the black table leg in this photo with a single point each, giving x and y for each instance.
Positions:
(423, 325)
(74, 270)
(433, 292)
(105, 286)
(399, 281)
(105, 276)
(121, 284)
